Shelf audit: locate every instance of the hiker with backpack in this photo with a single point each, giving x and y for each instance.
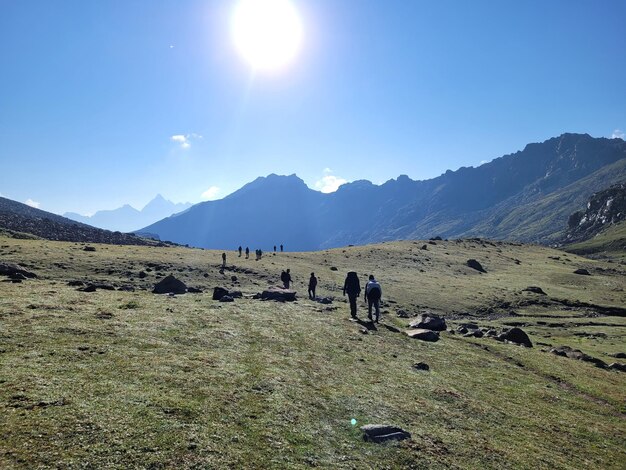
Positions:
(373, 294)
(247, 252)
(312, 286)
(239, 249)
(285, 276)
(352, 287)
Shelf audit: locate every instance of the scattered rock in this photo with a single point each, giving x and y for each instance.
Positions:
(424, 247)
(87, 288)
(517, 336)
(462, 330)
(170, 285)
(423, 334)
(583, 272)
(619, 355)
(421, 366)
(233, 278)
(219, 292)
(226, 298)
(333, 268)
(76, 283)
(474, 264)
(566, 351)
(194, 290)
(324, 300)
(89, 248)
(534, 289)
(402, 314)
(429, 321)
(279, 294)
(491, 333)
(618, 366)
(142, 275)
(381, 433)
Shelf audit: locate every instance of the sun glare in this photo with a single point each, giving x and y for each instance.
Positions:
(266, 33)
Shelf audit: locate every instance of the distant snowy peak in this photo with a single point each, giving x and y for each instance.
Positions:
(127, 218)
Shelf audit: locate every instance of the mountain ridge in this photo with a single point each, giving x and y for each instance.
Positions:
(282, 209)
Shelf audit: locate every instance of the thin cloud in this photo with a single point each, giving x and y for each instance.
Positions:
(184, 140)
(327, 170)
(618, 134)
(211, 193)
(31, 203)
(329, 183)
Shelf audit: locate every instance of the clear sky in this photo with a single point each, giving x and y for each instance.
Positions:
(110, 102)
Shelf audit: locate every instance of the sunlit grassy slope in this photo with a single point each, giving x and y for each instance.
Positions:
(116, 379)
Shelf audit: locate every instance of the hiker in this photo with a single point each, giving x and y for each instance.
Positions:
(239, 249)
(256, 254)
(247, 252)
(223, 260)
(373, 294)
(353, 288)
(312, 286)
(286, 279)
(274, 248)
(281, 247)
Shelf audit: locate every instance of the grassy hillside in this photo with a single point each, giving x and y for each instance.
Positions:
(116, 379)
(610, 243)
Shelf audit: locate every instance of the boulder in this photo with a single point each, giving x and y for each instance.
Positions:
(194, 290)
(382, 432)
(87, 288)
(429, 321)
(474, 264)
(279, 294)
(421, 366)
(226, 298)
(219, 292)
(577, 354)
(619, 355)
(89, 248)
(423, 334)
(11, 269)
(516, 335)
(583, 272)
(170, 285)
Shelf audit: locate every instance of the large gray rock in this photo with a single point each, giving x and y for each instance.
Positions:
(423, 334)
(383, 432)
(474, 264)
(219, 292)
(429, 321)
(170, 285)
(11, 269)
(279, 294)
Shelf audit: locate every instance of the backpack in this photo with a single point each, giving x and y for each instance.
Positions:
(373, 290)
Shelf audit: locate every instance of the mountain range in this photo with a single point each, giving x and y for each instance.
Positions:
(525, 196)
(127, 218)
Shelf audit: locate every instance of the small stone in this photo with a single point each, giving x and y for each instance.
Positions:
(582, 272)
(421, 366)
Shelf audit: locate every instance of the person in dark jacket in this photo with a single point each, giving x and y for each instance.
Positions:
(247, 252)
(373, 294)
(286, 279)
(223, 260)
(352, 287)
(312, 286)
(239, 249)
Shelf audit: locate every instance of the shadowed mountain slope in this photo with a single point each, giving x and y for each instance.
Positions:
(524, 196)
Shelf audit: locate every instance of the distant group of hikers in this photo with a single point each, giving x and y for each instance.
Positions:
(258, 253)
(351, 286)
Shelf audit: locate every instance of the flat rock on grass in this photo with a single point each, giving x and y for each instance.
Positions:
(577, 354)
(279, 294)
(474, 264)
(383, 432)
(423, 334)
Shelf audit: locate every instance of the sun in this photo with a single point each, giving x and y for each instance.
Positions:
(267, 33)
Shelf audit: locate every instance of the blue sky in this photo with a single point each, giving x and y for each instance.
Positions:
(92, 94)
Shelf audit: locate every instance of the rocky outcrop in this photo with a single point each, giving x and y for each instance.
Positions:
(604, 208)
(423, 334)
(279, 294)
(429, 321)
